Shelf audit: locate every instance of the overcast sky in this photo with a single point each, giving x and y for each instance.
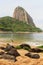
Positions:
(33, 7)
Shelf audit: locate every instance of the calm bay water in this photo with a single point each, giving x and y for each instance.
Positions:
(33, 38)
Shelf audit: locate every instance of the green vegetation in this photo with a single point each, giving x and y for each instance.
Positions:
(40, 46)
(25, 48)
(18, 47)
(10, 24)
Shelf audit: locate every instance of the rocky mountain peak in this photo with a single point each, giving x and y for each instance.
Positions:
(22, 15)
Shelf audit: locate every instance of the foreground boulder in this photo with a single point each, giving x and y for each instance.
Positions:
(6, 56)
(25, 46)
(35, 56)
(10, 52)
(37, 50)
(13, 52)
(9, 47)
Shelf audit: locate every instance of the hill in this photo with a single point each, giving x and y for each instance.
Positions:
(21, 14)
(11, 24)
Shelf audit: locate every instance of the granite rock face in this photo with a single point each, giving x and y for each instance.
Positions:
(22, 15)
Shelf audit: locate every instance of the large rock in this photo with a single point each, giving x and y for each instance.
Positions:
(34, 56)
(10, 52)
(25, 46)
(22, 15)
(36, 50)
(13, 52)
(9, 47)
(7, 56)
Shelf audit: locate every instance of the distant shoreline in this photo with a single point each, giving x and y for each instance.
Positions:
(19, 32)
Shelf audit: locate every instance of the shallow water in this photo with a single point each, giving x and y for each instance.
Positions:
(32, 38)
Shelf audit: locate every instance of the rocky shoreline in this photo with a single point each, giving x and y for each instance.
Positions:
(9, 52)
(20, 54)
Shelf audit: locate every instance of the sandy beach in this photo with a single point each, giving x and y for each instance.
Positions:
(22, 59)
